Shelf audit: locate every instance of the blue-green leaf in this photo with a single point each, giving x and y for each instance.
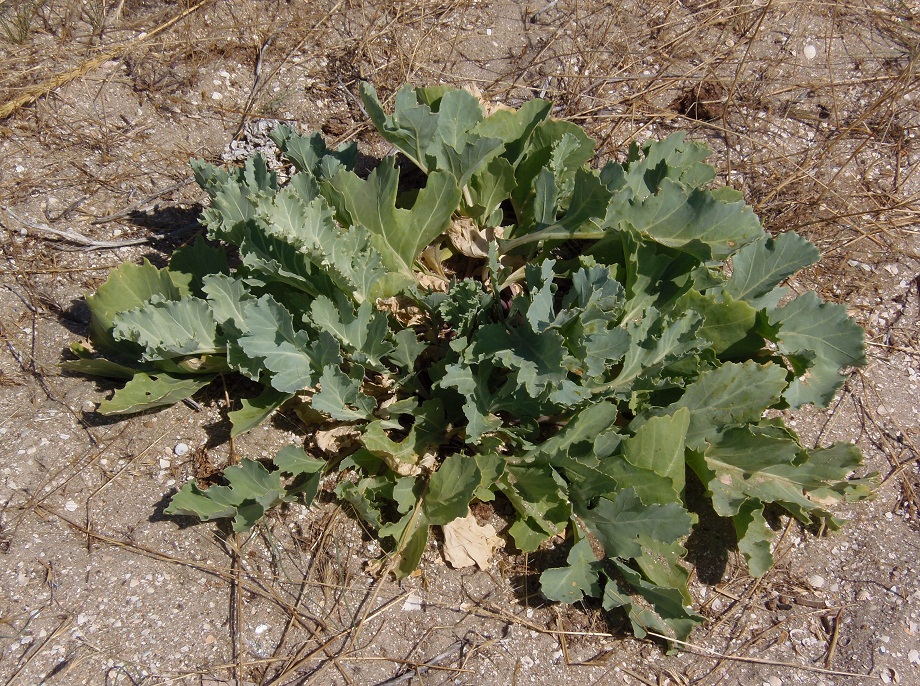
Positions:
(578, 579)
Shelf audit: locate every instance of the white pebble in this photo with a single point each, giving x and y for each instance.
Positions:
(217, 96)
(165, 462)
(70, 506)
(881, 409)
(261, 629)
(181, 449)
(810, 51)
(914, 656)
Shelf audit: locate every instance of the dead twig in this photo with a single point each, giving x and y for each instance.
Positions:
(73, 236)
(716, 655)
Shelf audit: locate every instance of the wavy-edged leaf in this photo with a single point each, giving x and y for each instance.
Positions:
(655, 341)
(667, 614)
(305, 470)
(227, 297)
(254, 411)
(694, 221)
(398, 234)
(251, 491)
(760, 266)
(174, 328)
(514, 127)
(310, 153)
(146, 391)
(341, 398)
(765, 464)
(730, 395)
(363, 333)
(294, 360)
(727, 323)
(451, 488)
(579, 578)
(825, 333)
(127, 287)
(538, 493)
(619, 522)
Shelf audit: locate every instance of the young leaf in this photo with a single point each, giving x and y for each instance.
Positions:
(411, 536)
(191, 264)
(411, 128)
(754, 537)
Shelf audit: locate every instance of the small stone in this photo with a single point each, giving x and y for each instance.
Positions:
(810, 52)
(914, 656)
(181, 449)
(70, 506)
(88, 407)
(261, 629)
(165, 462)
(882, 410)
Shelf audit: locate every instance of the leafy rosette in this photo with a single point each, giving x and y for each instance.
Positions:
(518, 325)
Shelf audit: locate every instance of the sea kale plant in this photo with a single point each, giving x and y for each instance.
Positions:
(512, 324)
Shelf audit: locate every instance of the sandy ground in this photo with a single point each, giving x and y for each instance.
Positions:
(811, 112)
